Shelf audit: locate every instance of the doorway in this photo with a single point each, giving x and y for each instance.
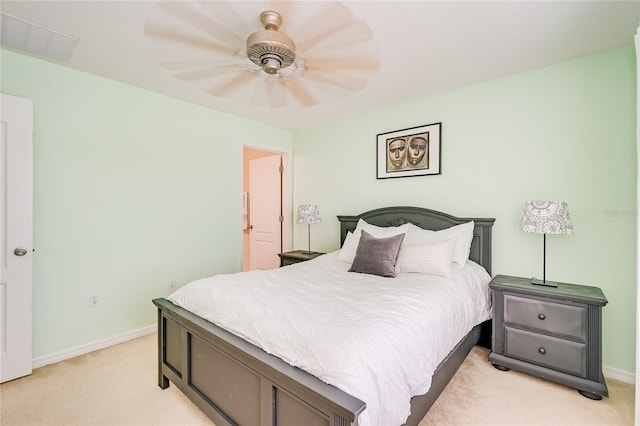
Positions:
(265, 218)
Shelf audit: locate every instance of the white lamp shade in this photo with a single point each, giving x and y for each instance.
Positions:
(546, 217)
(308, 213)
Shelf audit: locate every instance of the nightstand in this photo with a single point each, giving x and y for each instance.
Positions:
(297, 256)
(552, 333)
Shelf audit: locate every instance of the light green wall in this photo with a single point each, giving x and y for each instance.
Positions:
(563, 132)
(131, 190)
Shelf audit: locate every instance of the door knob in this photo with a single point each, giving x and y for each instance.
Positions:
(20, 251)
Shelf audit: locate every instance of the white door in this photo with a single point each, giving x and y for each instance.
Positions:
(16, 231)
(265, 183)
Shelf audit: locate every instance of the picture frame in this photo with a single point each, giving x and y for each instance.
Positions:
(415, 151)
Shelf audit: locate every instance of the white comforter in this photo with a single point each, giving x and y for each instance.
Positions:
(393, 331)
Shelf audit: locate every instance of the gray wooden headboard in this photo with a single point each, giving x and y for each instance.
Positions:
(426, 219)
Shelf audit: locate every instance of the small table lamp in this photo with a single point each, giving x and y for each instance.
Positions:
(546, 217)
(308, 213)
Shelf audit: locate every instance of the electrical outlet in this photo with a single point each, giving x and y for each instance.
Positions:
(94, 301)
(173, 286)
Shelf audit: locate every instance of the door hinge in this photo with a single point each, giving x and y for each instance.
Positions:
(281, 218)
(281, 169)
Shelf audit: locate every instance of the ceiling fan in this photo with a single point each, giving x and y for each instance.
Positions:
(320, 52)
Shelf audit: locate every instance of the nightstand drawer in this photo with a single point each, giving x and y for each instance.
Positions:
(289, 261)
(559, 354)
(554, 318)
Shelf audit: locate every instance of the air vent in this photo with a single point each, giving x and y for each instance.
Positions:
(34, 39)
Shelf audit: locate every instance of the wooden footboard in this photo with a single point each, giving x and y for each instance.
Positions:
(236, 383)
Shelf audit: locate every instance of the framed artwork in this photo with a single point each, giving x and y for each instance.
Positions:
(409, 152)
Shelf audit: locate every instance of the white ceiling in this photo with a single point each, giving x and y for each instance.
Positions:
(424, 47)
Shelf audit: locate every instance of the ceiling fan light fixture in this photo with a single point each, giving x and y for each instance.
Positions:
(271, 63)
(269, 48)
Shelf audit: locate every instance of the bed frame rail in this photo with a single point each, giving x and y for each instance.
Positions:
(225, 376)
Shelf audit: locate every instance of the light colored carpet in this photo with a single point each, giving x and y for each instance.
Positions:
(118, 386)
(479, 394)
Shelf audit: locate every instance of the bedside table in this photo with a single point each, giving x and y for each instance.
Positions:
(551, 333)
(297, 256)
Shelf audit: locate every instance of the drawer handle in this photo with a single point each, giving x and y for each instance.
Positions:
(542, 351)
(541, 317)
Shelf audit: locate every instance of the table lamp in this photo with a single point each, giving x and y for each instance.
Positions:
(546, 217)
(308, 214)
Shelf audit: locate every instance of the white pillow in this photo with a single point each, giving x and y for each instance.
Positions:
(380, 231)
(429, 258)
(350, 245)
(463, 234)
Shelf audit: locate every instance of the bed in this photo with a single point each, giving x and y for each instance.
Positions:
(235, 382)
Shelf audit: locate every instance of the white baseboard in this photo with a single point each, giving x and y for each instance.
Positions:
(616, 374)
(93, 346)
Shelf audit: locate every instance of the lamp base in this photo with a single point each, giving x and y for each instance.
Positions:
(545, 283)
(307, 252)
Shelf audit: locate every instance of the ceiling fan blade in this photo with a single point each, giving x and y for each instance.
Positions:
(346, 82)
(231, 85)
(183, 37)
(353, 64)
(335, 21)
(276, 92)
(178, 65)
(346, 35)
(260, 94)
(208, 72)
(203, 19)
(298, 91)
(335, 15)
(269, 92)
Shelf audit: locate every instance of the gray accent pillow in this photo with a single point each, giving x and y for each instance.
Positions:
(377, 256)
